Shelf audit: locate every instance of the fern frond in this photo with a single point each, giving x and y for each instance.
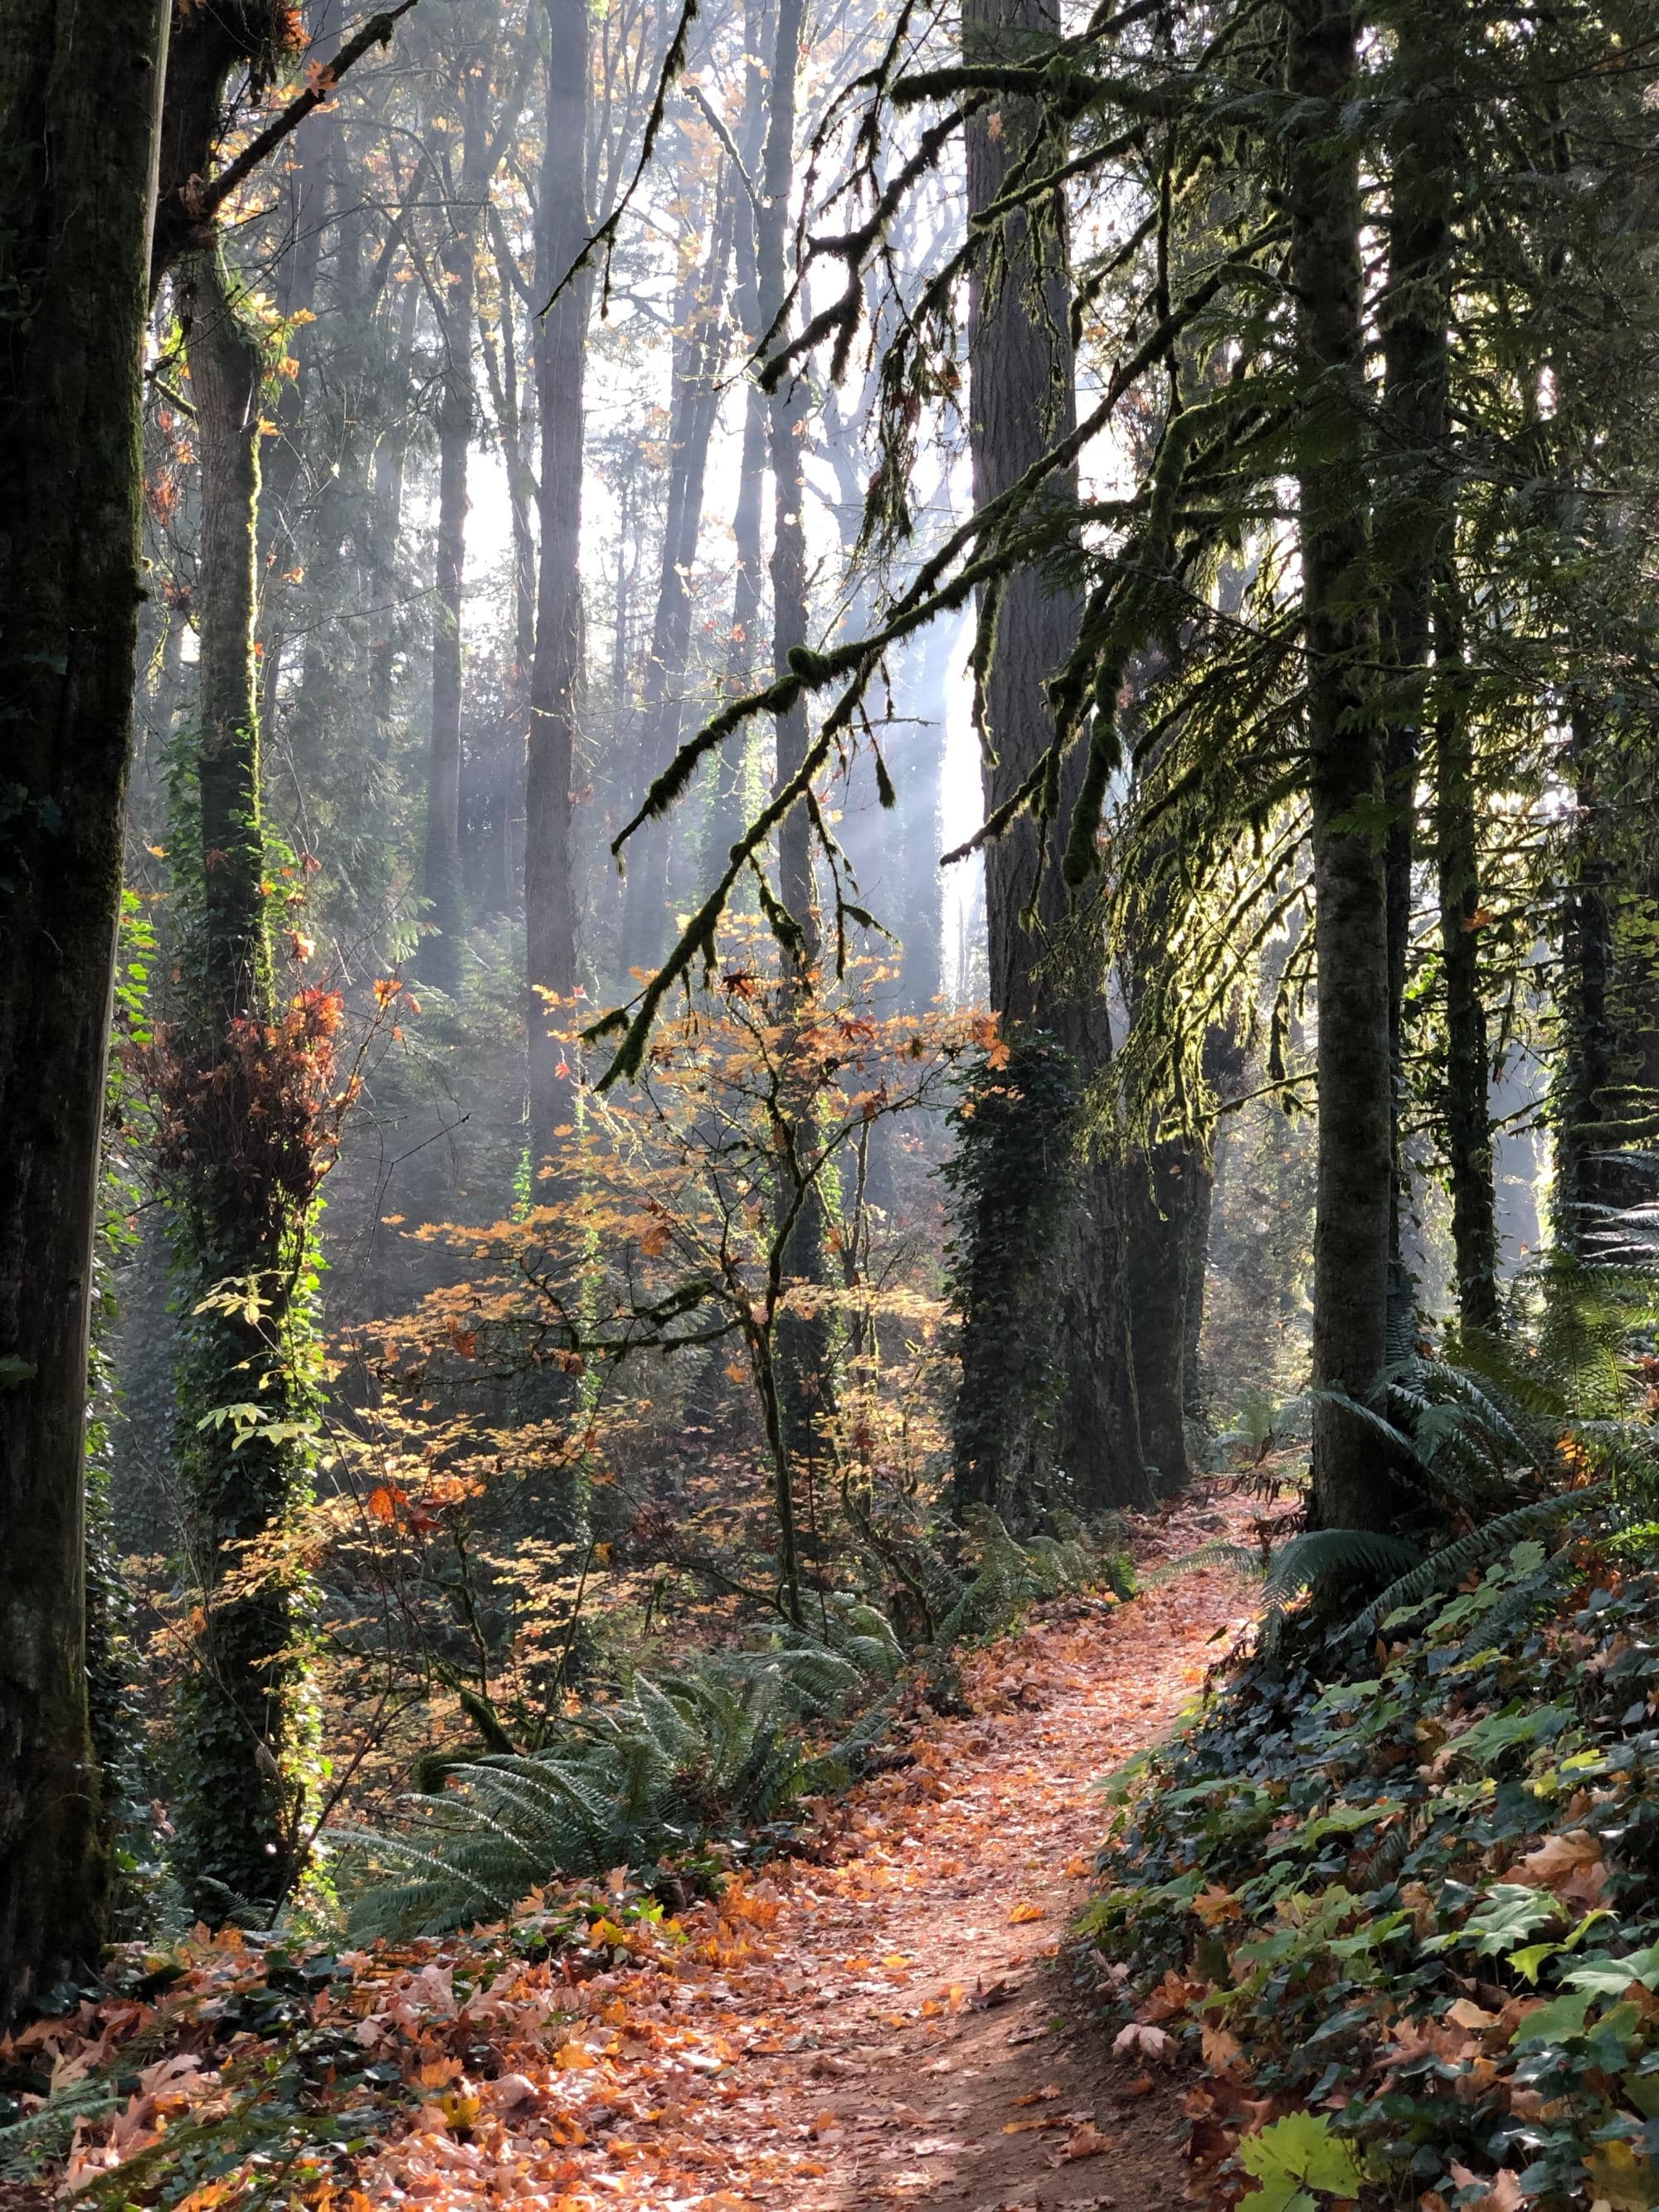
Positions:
(1453, 1561)
(1321, 1554)
(1242, 1559)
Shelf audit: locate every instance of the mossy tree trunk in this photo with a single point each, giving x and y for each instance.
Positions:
(1020, 370)
(1352, 1484)
(80, 87)
(238, 1198)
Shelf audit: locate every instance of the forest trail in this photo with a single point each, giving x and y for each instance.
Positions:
(896, 2024)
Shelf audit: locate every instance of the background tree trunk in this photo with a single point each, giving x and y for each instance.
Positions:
(439, 961)
(560, 359)
(694, 407)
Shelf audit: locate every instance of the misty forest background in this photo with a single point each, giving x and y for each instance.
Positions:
(578, 1191)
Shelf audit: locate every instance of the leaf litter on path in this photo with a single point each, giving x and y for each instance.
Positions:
(815, 2043)
(888, 2023)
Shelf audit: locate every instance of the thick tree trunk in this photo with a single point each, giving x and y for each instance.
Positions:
(1352, 1485)
(379, 556)
(1020, 370)
(803, 1359)
(549, 887)
(80, 85)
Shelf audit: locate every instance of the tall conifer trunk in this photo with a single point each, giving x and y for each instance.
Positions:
(806, 1382)
(1020, 370)
(440, 951)
(725, 817)
(1352, 1486)
(80, 87)
(695, 404)
(1467, 1114)
(561, 360)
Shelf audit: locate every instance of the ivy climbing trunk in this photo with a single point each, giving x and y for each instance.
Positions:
(1351, 1482)
(550, 898)
(242, 1171)
(1020, 368)
(80, 87)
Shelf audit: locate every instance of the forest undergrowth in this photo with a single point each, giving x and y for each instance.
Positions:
(882, 2012)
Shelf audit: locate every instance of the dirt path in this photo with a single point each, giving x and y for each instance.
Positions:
(895, 2026)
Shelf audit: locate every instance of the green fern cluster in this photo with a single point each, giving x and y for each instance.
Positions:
(717, 1747)
(713, 1749)
(1008, 1575)
(1497, 1438)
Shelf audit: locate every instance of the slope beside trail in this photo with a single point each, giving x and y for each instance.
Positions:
(893, 2023)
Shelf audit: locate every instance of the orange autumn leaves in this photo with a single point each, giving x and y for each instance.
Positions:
(758, 2052)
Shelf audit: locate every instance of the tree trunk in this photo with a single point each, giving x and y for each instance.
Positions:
(1159, 1192)
(439, 961)
(80, 86)
(726, 814)
(1415, 533)
(1457, 870)
(379, 557)
(1020, 370)
(694, 404)
(235, 1214)
(787, 430)
(913, 834)
(1586, 1116)
(549, 888)
(1352, 1485)
(307, 191)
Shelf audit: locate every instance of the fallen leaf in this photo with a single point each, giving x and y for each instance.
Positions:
(1086, 2142)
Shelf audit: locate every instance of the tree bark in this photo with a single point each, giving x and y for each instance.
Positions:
(694, 406)
(727, 815)
(1467, 1114)
(787, 430)
(80, 86)
(1586, 1112)
(234, 1216)
(440, 960)
(1021, 385)
(1415, 526)
(1352, 1484)
(561, 360)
